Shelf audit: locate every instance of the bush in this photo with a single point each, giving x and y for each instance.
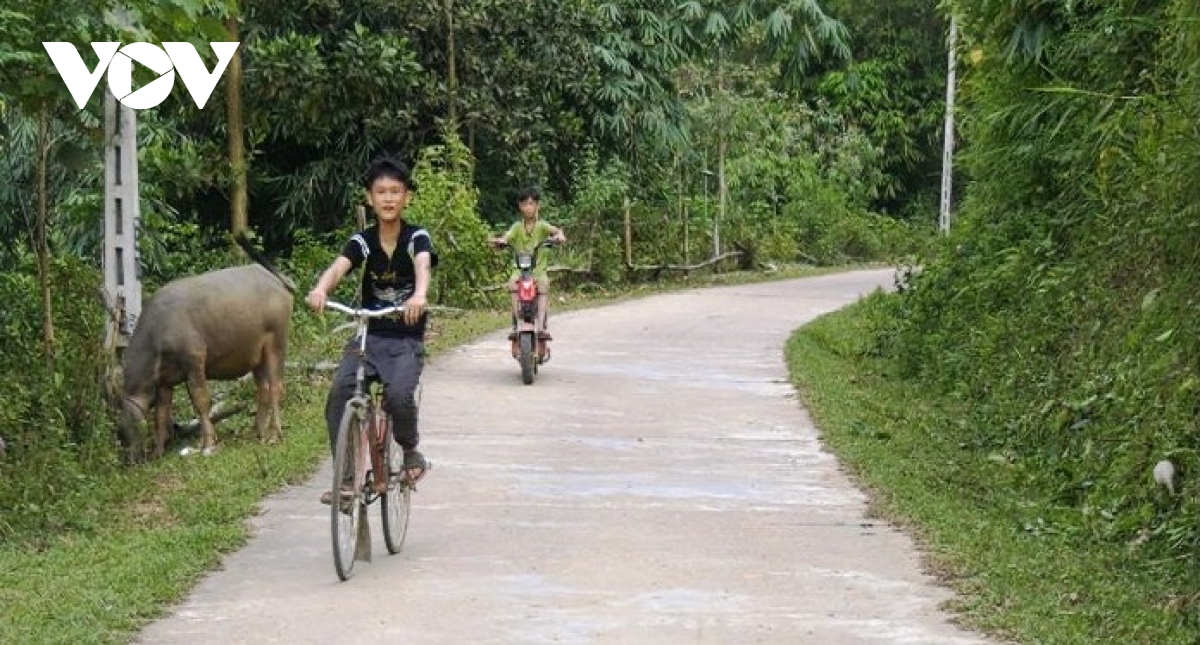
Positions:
(1062, 309)
(447, 204)
(54, 422)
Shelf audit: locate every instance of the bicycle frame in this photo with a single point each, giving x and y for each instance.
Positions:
(374, 452)
(373, 426)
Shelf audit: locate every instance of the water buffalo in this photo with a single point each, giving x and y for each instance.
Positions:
(218, 325)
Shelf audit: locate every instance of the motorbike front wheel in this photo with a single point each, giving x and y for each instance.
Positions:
(527, 358)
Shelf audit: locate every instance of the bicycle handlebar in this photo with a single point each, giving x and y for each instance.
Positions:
(376, 313)
(360, 312)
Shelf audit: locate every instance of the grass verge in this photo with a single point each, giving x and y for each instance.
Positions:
(1016, 577)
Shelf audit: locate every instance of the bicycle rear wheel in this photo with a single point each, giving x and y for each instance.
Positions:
(346, 508)
(397, 502)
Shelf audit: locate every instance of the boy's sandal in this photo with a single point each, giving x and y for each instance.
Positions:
(327, 496)
(415, 465)
(545, 335)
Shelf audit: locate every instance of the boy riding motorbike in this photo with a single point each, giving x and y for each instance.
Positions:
(524, 237)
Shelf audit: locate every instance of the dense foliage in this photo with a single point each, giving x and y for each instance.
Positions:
(709, 126)
(893, 91)
(1063, 309)
(56, 432)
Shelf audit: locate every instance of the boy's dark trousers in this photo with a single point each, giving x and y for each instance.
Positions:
(395, 362)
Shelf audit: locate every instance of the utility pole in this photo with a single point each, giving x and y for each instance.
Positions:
(122, 275)
(948, 147)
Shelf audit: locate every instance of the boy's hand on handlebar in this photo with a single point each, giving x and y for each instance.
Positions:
(413, 308)
(316, 300)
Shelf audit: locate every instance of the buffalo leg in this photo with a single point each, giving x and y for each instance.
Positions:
(202, 402)
(162, 418)
(267, 410)
(276, 360)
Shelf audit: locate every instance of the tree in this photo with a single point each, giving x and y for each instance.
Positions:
(235, 129)
(317, 103)
(642, 46)
(893, 89)
(447, 204)
(515, 78)
(794, 33)
(33, 90)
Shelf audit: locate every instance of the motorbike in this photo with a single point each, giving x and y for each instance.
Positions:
(529, 350)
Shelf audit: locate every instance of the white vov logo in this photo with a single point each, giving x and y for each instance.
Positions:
(181, 57)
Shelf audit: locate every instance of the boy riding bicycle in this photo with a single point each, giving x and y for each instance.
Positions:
(397, 259)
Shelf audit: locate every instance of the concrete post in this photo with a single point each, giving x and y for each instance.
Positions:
(944, 211)
(122, 272)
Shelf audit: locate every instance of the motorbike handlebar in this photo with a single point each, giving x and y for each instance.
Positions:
(549, 243)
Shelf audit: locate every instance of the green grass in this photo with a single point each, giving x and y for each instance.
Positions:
(163, 526)
(137, 540)
(995, 543)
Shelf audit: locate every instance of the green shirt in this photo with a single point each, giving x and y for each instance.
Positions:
(526, 242)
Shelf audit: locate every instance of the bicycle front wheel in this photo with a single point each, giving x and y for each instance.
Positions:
(397, 502)
(346, 507)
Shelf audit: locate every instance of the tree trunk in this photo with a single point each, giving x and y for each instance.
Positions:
(239, 220)
(451, 65)
(722, 149)
(40, 238)
(722, 190)
(628, 234)
(684, 215)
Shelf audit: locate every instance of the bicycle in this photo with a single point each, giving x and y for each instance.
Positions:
(365, 448)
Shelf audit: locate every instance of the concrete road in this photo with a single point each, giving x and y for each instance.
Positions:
(658, 484)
